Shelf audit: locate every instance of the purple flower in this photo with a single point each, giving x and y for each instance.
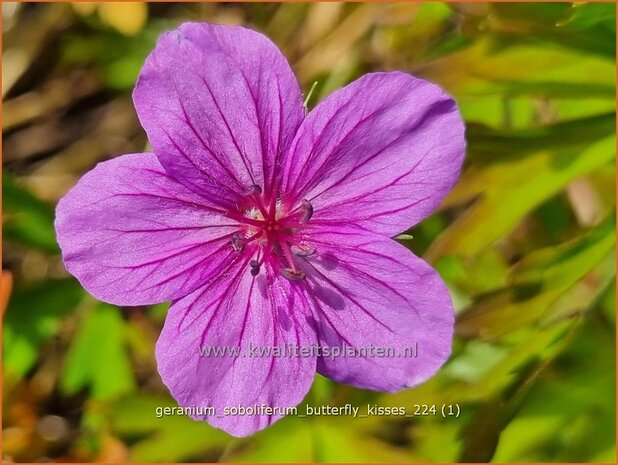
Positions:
(269, 228)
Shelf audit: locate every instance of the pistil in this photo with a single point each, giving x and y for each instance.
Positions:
(291, 272)
(275, 232)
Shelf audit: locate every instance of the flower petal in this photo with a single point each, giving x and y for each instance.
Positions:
(237, 311)
(219, 105)
(369, 290)
(134, 236)
(381, 153)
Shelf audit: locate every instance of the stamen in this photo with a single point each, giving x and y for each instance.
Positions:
(307, 210)
(262, 219)
(285, 248)
(256, 193)
(238, 242)
(293, 275)
(255, 267)
(272, 205)
(244, 219)
(302, 250)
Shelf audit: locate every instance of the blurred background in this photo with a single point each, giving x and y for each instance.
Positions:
(526, 241)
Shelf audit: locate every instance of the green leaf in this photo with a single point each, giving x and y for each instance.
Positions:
(479, 273)
(480, 371)
(117, 58)
(482, 433)
(504, 65)
(98, 359)
(590, 29)
(591, 17)
(536, 284)
(163, 438)
(488, 145)
(26, 219)
(318, 439)
(573, 404)
(33, 316)
(509, 189)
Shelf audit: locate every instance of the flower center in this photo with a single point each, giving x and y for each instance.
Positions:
(272, 232)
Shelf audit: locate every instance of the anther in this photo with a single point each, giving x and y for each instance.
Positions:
(293, 275)
(307, 210)
(302, 250)
(255, 267)
(237, 242)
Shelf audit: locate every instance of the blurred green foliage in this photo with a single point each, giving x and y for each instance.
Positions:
(526, 240)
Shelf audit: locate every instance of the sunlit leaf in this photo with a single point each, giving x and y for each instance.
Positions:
(84, 8)
(536, 284)
(510, 188)
(128, 18)
(573, 404)
(164, 438)
(591, 29)
(496, 65)
(318, 439)
(97, 358)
